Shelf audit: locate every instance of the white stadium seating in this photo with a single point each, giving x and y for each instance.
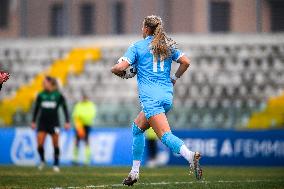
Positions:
(230, 77)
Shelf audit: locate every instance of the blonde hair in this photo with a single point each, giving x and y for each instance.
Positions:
(161, 45)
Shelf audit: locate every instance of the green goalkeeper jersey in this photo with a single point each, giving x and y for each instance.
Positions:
(46, 108)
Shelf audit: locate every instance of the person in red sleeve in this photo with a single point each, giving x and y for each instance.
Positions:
(4, 76)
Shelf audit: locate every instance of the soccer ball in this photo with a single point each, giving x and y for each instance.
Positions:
(130, 71)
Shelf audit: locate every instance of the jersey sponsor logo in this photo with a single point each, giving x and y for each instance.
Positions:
(23, 148)
(48, 104)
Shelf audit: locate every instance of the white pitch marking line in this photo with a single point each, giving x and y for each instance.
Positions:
(169, 183)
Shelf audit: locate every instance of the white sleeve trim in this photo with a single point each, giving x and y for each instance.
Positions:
(182, 54)
(125, 59)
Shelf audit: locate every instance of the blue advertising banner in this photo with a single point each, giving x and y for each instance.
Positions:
(112, 147)
(221, 147)
(108, 147)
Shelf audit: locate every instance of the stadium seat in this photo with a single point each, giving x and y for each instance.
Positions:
(228, 85)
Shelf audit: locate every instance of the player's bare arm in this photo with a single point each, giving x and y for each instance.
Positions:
(184, 64)
(119, 68)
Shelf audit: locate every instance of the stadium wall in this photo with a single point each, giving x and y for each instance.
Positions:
(112, 147)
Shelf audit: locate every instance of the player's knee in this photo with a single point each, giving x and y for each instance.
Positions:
(136, 130)
(141, 121)
(55, 143)
(40, 143)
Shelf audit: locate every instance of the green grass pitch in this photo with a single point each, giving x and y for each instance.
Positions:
(166, 177)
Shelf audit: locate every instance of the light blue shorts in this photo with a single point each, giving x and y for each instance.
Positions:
(153, 107)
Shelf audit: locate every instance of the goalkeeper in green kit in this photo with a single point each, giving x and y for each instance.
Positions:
(84, 114)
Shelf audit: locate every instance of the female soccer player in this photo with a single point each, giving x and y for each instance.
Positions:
(47, 103)
(153, 56)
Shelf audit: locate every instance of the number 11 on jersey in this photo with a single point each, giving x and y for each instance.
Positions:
(155, 65)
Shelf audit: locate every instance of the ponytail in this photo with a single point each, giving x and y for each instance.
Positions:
(161, 45)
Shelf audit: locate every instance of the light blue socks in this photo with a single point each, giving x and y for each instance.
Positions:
(172, 142)
(138, 142)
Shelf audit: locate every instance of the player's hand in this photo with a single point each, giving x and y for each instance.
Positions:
(122, 75)
(173, 81)
(4, 76)
(33, 125)
(67, 126)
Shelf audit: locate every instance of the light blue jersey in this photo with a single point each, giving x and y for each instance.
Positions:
(153, 76)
